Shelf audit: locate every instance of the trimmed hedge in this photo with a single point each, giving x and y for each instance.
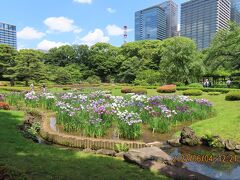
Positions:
(196, 85)
(221, 90)
(233, 96)
(167, 89)
(192, 92)
(139, 91)
(214, 93)
(126, 90)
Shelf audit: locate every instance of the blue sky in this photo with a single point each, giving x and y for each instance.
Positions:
(43, 24)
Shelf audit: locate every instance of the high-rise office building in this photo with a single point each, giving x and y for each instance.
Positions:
(150, 23)
(171, 11)
(235, 11)
(156, 22)
(201, 19)
(8, 34)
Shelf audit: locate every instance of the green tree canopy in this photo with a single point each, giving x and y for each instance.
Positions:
(180, 60)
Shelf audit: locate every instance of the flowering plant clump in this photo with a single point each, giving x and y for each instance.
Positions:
(167, 89)
(94, 114)
(4, 106)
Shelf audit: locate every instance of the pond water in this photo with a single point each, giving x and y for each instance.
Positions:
(224, 165)
(147, 135)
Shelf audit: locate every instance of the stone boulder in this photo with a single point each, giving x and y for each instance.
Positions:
(106, 152)
(174, 142)
(229, 145)
(144, 156)
(89, 150)
(156, 144)
(237, 147)
(120, 154)
(213, 141)
(188, 137)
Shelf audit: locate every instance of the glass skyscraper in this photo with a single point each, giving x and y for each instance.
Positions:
(150, 23)
(156, 22)
(8, 35)
(201, 19)
(235, 11)
(171, 11)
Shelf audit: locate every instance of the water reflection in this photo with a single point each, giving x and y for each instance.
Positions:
(216, 170)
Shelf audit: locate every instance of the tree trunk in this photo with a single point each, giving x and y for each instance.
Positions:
(26, 83)
(12, 83)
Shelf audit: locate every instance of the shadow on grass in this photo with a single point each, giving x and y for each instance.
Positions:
(39, 161)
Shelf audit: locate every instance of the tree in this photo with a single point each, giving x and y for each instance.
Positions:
(180, 60)
(61, 56)
(103, 60)
(224, 52)
(148, 77)
(7, 60)
(28, 66)
(129, 69)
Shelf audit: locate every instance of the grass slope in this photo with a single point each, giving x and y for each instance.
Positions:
(227, 121)
(40, 161)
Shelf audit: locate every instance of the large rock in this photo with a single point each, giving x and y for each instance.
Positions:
(174, 142)
(106, 152)
(89, 150)
(188, 137)
(213, 141)
(144, 156)
(120, 154)
(156, 144)
(229, 145)
(237, 151)
(237, 147)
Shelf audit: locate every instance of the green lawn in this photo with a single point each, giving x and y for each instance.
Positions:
(226, 123)
(40, 161)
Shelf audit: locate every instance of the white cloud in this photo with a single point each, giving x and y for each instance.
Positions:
(93, 37)
(83, 1)
(114, 30)
(61, 24)
(30, 33)
(46, 45)
(110, 10)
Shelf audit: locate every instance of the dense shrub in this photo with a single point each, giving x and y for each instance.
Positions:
(197, 85)
(167, 89)
(192, 92)
(147, 77)
(179, 84)
(233, 96)
(139, 91)
(126, 90)
(221, 90)
(214, 93)
(93, 80)
(4, 106)
(66, 88)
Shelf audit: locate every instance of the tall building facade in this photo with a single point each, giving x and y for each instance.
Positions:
(201, 19)
(156, 22)
(150, 23)
(171, 11)
(235, 11)
(8, 35)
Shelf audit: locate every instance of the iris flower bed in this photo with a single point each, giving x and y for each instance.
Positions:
(94, 114)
